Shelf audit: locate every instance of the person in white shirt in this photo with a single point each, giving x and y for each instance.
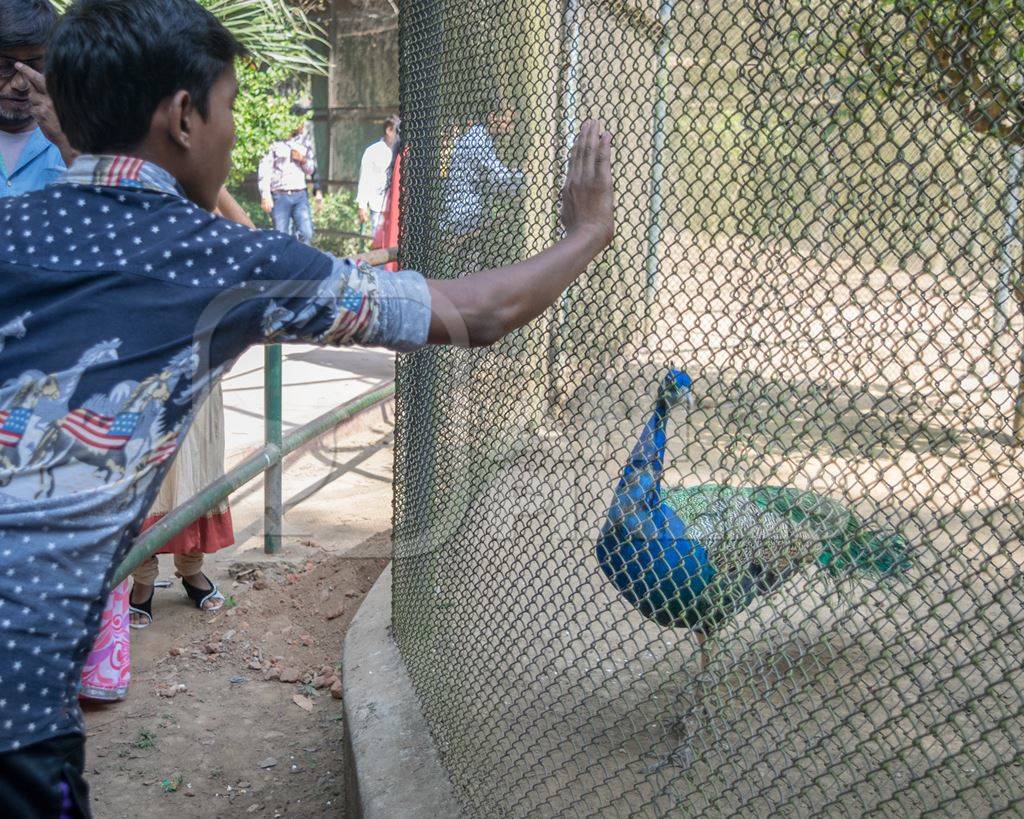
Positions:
(475, 173)
(373, 176)
(282, 180)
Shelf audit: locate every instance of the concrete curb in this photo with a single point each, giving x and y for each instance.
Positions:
(392, 767)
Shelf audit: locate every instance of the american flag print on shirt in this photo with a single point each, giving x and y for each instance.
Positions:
(101, 431)
(13, 424)
(354, 314)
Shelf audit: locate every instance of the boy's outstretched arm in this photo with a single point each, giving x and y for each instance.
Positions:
(481, 309)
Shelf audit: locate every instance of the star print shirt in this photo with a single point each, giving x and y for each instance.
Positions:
(121, 304)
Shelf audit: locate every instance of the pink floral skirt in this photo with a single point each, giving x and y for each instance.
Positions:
(107, 672)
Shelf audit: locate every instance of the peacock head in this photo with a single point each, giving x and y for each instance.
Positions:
(676, 387)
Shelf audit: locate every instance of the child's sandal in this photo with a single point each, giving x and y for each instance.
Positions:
(143, 609)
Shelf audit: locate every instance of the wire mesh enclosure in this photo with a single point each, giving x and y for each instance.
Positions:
(735, 529)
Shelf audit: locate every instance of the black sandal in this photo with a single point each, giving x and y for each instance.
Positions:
(200, 596)
(143, 609)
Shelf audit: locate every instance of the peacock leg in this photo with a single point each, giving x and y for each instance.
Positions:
(698, 716)
(705, 657)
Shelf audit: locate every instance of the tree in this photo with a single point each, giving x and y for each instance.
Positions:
(274, 32)
(262, 115)
(968, 56)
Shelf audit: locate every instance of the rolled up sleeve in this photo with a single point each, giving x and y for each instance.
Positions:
(377, 308)
(403, 312)
(337, 302)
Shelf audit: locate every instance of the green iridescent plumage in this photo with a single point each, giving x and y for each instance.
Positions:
(805, 526)
(696, 556)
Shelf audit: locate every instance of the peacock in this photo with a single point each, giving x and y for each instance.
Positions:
(695, 556)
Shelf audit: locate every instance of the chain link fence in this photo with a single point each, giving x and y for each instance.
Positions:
(735, 529)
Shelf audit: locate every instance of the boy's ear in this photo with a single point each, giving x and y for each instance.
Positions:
(180, 115)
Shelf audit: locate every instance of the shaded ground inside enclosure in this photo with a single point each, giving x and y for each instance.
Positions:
(867, 698)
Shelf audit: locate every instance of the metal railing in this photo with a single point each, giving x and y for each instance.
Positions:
(268, 459)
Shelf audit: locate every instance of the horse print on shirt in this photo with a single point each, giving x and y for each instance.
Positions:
(29, 402)
(117, 436)
(117, 433)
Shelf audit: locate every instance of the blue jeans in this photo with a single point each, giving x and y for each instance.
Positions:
(293, 208)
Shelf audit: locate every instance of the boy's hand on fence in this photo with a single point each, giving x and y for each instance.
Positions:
(480, 309)
(588, 201)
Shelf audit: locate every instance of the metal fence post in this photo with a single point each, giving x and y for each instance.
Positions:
(272, 491)
(666, 14)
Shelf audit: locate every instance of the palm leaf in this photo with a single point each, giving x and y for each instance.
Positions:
(272, 31)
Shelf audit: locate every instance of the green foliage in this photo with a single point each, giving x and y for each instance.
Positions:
(969, 57)
(145, 739)
(252, 208)
(262, 115)
(172, 783)
(273, 31)
(339, 213)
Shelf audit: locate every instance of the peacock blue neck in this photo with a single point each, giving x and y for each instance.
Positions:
(641, 478)
(644, 549)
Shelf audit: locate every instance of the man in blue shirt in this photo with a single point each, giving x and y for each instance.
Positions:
(123, 300)
(29, 157)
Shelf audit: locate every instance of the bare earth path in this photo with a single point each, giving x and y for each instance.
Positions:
(209, 728)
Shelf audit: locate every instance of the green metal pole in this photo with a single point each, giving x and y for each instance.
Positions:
(272, 490)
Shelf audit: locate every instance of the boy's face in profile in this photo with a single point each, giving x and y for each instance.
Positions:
(208, 159)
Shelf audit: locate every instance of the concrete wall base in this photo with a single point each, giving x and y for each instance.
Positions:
(393, 768)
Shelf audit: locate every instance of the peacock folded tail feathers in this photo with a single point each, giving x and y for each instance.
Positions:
(695, 556)
(816, 527)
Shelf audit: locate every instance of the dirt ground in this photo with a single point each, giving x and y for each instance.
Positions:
(233, 714)
(234, 739)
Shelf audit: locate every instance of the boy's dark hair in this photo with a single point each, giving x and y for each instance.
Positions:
(390, 122)
(111, 62)
(25, 23)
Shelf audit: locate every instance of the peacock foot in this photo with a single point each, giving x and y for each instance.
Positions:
(680, 758)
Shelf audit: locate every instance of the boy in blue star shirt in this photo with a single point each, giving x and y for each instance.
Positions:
(99, 380)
